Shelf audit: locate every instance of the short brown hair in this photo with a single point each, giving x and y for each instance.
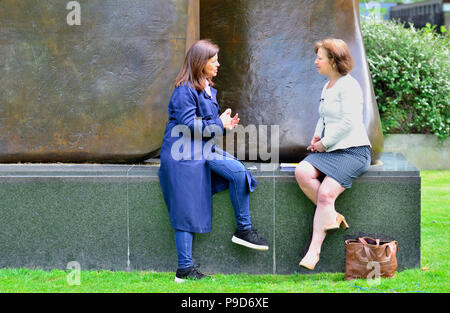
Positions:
(338, 52)
(194, 63)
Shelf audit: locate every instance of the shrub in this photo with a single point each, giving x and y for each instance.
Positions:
(410, 72)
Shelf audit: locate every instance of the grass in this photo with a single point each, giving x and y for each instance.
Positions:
(433, 276)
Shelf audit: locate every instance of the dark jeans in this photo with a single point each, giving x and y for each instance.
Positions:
(234, 172)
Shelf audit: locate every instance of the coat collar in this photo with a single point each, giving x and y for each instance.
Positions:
(213, 94)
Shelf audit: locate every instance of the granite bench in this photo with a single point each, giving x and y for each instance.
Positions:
(114, 217)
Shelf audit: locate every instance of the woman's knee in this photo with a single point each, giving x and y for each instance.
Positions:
(304, 172)
(235, 170)
(325, 196)
(328, 193)
(238, 166)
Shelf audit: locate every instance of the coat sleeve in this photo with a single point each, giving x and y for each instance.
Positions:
(184, 109)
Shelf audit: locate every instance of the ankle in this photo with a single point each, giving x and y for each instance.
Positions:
(330, 218)
(313, 253)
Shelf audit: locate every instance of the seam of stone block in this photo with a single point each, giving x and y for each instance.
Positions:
(128, 223)
(274, 270)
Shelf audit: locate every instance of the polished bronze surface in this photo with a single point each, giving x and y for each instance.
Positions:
(91, 92)
(98, 92)
(267, 72)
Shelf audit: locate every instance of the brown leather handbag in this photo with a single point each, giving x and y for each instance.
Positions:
(368, 258)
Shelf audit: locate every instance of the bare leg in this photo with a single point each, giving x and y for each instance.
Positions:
(325, 215)
(307, 179)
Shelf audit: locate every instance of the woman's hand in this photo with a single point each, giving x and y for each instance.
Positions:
(314, 140)
(319, 147)
(228, 121)
(316, 145)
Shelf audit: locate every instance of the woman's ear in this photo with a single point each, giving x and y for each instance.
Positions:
(333, 63)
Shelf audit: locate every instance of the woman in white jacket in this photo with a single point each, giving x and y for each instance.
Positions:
(340, 146)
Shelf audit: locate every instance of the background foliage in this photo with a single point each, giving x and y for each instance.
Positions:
(410, 71)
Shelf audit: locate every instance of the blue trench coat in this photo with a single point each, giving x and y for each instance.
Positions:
(188, 184)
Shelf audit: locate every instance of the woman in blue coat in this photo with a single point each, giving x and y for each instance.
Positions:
(193, 169)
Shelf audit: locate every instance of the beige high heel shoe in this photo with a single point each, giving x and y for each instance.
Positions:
(340, 222)
(308, 263)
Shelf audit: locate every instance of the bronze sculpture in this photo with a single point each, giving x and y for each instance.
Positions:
(98, 92)
(267, 58)
(95, 92)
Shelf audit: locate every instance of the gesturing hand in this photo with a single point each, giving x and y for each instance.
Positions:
(228, 121)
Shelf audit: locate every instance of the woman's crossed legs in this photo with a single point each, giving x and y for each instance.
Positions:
(323, 195)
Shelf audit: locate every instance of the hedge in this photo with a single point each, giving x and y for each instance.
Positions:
(410, 70)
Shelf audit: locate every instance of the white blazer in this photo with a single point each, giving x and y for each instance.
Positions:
(341, 114)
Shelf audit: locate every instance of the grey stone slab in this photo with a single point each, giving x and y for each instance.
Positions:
(294, 221)
(63, 170)
(390, 211)
(48, 224)
(152, 245)
(373, 209)
(114, 217)
(215, 251)
(383, 202)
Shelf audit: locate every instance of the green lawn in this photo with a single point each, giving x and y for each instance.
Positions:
(432, 277)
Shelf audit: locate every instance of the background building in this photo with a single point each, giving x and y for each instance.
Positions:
(446, 9)
(435, 12)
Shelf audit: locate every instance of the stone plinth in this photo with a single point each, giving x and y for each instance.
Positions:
(114, 217)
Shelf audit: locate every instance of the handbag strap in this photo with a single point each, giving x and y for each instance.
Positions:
(365, 242)
(366, 248)
(393, 247)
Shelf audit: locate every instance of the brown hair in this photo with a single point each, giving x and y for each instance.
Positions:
(338, 53)
(194, 63)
